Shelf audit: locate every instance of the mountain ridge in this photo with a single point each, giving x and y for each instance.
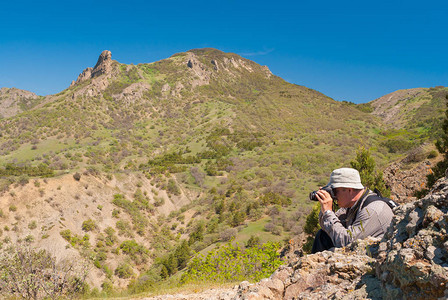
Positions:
(203, 143)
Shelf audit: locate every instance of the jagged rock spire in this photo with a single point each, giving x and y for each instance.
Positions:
(103, 66)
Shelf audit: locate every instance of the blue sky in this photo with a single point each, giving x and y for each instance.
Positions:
(349, 50)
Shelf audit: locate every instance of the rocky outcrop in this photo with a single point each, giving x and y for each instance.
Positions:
(408, 176)
(217, 65)
(103, 66)
(13, 101)
(199, 70)
(410, 262)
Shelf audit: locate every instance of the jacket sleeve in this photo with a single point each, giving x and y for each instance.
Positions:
(372, 220)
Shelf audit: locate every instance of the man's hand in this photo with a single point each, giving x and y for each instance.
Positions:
(326, 202)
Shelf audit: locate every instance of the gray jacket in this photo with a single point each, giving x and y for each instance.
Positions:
(350, 224)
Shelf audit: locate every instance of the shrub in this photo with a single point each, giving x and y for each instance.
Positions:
(172, 187)
(29, 238)
(124, 271)
(111, 238)
(77, 176)
(88, 225)
(228, 234)
(32, 225)
(233, 262)
(137, 252)
(124, 228)
(34, 274)
(66, 235)
(274, 229)
(433, 154)
(253, 241)
(133, 209)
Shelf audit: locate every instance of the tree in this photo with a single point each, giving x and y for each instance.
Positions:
(311, 227)
(442, 146)
(182, 254)
(33, 274)
(370, 178)
(197, 234)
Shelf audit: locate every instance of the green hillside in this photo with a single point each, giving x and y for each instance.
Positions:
(241, 146)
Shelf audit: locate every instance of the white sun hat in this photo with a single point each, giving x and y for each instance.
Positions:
(345, 177)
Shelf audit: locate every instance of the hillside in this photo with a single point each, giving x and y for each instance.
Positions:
(14, 101)
(419, 107)
(130, 161)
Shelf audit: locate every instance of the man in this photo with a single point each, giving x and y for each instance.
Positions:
(353, 220)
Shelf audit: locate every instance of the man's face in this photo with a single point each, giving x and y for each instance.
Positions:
(345, 197)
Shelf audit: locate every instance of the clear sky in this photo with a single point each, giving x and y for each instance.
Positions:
(349, 50)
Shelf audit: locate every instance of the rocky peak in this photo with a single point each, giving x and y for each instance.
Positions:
(103, 66)
(208, 63)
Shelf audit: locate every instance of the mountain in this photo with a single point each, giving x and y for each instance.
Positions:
(204, 146)
(14, 101)
(411, 108)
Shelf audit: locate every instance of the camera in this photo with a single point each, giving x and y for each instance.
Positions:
(326, 188)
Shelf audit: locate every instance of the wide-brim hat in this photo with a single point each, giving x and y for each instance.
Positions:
(346, 178)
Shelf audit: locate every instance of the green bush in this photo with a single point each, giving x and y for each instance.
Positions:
(88, 225)
(311, 227)
(124, 271)
(398, 145)
(66, 234)
(233, 262)
(137, 252)
(172, 187)
(433, 154)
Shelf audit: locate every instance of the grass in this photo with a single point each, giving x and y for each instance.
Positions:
(257, 229)
(26, 153)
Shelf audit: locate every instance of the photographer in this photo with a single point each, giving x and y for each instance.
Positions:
(360, 214)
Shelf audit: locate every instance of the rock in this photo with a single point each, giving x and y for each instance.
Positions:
(201, 76)
(275, 285)
(13, 101)
(432, 215)
(404, 182)
(103, 66)
(415, 219)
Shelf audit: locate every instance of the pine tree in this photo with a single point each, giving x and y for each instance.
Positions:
(370, 178)
(442, 146)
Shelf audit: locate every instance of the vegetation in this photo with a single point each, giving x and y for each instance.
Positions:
(370, 177)
(28, 273)
(241, 146)
(442, 146)
(233, 262)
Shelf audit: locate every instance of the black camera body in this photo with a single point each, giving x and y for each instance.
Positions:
(326, 188)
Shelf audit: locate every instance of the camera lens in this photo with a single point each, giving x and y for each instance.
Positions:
(313, 196)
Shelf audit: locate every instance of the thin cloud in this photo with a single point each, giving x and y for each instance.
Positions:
(258, 53)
